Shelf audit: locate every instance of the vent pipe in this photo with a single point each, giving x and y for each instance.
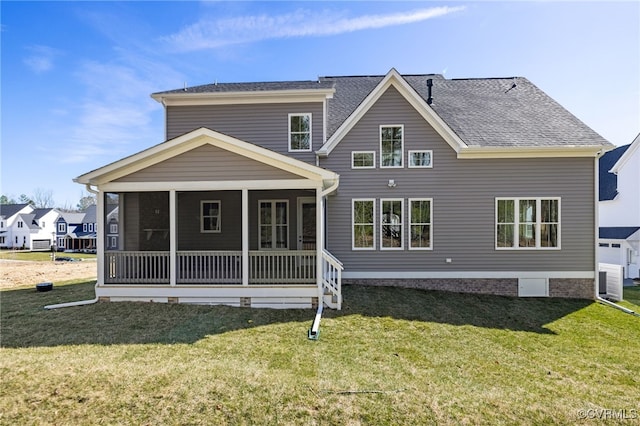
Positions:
(429, 86)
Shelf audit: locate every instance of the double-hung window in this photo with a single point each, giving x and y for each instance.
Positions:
(300, 132)
(527, 223)
(113, 228)
(210, 216)
(363, 224)
(391, 229)
(420, 214)
(274, 225)
(62, 227)
(391, 146)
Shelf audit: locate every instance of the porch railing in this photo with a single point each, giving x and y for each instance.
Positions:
(209, 267)
(282, 267)
(137, 267)
(332, 280)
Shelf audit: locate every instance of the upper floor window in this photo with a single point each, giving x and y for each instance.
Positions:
(363, 160)
(300, 132)
(1, 224)
(20, 224)
(113, 228)
(391, 146)
(527, 223)
(91, 227)
(210, 216)
(84, 227)
(419, 159)
(62, 227)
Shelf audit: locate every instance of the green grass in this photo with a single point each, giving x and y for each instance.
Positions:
(40, 255)
(391, 356)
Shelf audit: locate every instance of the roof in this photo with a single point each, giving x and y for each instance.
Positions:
(482, 112)
(71, 217)
(8, 210)
(90, 214)
(29, 220)
(41, 212)
(617, 232)
(609, 181)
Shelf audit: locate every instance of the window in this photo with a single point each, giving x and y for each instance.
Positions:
(1, 224)
(62, 227)
(113, 228)
(84, 227)
(420, 159)
(2, 240)
(273, 225)
(42, 225)
(61, 242)
(614, 245)
(209, 216)
(604, 244)
(113, 242)
(91, 227)
(420, 224)
(391, 232)
(531, 223)
(363, 220)
(20, 223)
(391, 146)
(363, 160)
(299, 132)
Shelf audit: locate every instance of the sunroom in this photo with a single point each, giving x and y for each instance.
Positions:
(207, 218)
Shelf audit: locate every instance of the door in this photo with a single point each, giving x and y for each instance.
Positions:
(306, 223)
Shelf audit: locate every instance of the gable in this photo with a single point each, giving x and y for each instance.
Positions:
(207, 163)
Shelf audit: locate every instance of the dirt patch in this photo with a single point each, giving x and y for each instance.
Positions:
(17, 273)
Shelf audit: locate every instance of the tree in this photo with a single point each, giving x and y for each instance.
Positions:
(24, 199)
(43, 198)
(86, 200)
(7, 200)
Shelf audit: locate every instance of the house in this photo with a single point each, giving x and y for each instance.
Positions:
(28, 228)
(78, 231)
(9, 214)
(67, 225)
(619, 208)
(276, 193)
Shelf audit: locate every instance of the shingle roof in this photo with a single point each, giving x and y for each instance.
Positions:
(251, 87)
(609, 181)
(41, 212)
(8, 210)
(71, 217)
(617, 232)
(29, 220)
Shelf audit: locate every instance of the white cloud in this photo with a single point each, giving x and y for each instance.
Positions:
(41, 58)
(214, 33)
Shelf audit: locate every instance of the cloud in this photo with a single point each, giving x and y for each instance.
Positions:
(41, 58)
(211, 34)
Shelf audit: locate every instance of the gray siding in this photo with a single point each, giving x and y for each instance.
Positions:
(265, 125)
(463, 193)
(207, 163)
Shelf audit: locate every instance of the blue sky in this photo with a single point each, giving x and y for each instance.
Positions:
(76, 76)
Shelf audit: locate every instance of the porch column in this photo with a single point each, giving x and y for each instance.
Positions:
(173, 242)
(100, 235)
(319, 242)
(245, 236)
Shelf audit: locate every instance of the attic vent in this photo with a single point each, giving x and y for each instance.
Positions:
(429, 86)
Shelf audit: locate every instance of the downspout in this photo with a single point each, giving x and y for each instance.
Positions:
(81, 302)
(615, 305)
(314, 331)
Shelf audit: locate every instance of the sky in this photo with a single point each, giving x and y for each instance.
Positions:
(76, 76)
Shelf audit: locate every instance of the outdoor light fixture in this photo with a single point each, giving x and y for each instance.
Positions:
(392, 183)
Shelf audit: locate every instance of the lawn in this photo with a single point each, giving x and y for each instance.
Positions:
(40, 255)
(391, 356)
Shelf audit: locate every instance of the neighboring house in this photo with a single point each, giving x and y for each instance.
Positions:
(66, 226)
(619, 208)
(274, 194)
(78, 231)
(9, 216)
(112, 231)
(34, 230)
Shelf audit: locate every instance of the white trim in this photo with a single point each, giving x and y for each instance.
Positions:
(194, 139)
(245, 237)
(299, 216)
(173, 237)
(417, 151)
(393, 78)
(567, 151)
(300, 114)
(626, 156)
(466, 274)
(233, 185)
(100, 215)
(219, 217)
(373, 163)
(402, 221)
(401, 146)
(201, 291)
(410, 222)
(245, 97)
(536, 222)
(373, 224)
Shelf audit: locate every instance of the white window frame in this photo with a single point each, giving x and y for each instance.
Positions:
(113, 242)
(20, 224)
(84, 227)
(373, 163)
(305, 114)
(113, 228)
(61, 243)
(401, 146)
(273, 225)
(62, 227)
(537, 222)
(91, 227)
(412, 223)
(219, 217)
(2, 240)
(401, 224)
(353, 224)
(420, 151)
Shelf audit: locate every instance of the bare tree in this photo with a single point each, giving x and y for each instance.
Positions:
(43, 198)
(86, 200)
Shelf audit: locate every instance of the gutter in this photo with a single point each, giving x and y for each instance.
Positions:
(81, 302)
